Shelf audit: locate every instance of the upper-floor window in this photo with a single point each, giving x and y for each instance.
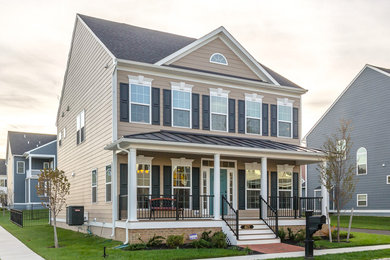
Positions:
(361, 161)
(59, 138)
(3, 183)
(181, 104)
(253, 113)
(219, 109)
(140, 99)
(341, 149)
(46, 165)
(20, 167)
(285, 117)
(218, 58)
(81, 127)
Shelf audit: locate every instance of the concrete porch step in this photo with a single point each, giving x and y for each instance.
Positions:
(251, 222)
(257, 236)
(258, 241)
(254, 231)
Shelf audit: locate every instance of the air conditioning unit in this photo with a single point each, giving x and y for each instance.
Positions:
(75, 215)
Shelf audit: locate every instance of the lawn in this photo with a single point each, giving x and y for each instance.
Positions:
(359, 239)
(74, 245)
(364, 255)
(366, 222)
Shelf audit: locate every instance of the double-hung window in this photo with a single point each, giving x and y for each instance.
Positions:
(285, 173)
(46, 165)
(94, 186)
(182, 181)
(362, 200)
(181, 104)
(140, 99)
(253, 113)
(81, 127)
(3, 183)
(20, 167)
(253, 182)
(285, 119)
(219, 109)
(108, 183)
(143, 180)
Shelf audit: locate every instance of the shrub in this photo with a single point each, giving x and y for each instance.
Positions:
(206, 236)
(282, 234)
(138, 246)
(174, 241)
(300, 235)
(201, 243)
(343, 235)
(291, 235)
(218, 240)
(155, 241)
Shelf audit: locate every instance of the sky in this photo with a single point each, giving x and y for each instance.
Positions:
(320, 45)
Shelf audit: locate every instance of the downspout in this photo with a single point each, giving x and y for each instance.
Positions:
(114, 156)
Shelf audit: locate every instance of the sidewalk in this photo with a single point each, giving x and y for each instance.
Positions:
(302, 254)
(11, 248)
(369, 231)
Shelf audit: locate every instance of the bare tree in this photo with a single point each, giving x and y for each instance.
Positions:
(3, 200)
(53, 187)
(338, 172)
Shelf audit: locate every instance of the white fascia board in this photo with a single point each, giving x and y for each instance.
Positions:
(39, 147)
(378, 70)
(169, 224)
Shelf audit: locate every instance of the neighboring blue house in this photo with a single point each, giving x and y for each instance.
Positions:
(27, 155)
(366, 102)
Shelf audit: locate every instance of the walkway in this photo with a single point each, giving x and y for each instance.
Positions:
(274, 248)
(11, 248)
(369, 231)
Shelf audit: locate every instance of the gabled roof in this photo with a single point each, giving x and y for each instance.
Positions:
(378, 69)
(3, 168)
(21, 142)
(139, 44)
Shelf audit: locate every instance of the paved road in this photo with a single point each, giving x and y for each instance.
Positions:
(12, 249)
(369, 231)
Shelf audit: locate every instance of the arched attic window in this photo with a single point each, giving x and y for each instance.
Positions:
(218, 58)
(361, 161)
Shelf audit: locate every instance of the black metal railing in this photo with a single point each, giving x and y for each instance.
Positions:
(230, 216)
(178, 206)
(16, 217)
(294, 207)
(272, 219)
(29, 217)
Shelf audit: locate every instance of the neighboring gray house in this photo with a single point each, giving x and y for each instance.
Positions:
(27, 154)
(366, 103)
(3, 178)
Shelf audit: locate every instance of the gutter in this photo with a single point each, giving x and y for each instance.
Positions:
(114, 137)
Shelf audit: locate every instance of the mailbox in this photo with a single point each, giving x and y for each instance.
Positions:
(313, 224)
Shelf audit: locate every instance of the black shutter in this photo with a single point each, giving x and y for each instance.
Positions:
(274, 120)
(274, 189)
(295, 190)
(155, 106)
(124, 102)
(123, 179)
(195, 188)
(155, 181)
(241, 189)
(195, 111)
(167, 107)
(232, 115)
(295, 123)
(241, 116)
(206, 112)
(167, 181)
(265, 119)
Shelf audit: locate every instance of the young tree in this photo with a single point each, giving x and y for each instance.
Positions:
(338, 171)
(53, 186)
(3, 200)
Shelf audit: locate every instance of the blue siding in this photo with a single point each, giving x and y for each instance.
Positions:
(19, 181)
(366, 104)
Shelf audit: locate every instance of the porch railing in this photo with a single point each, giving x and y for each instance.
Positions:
(272, 220)
(178, 206)
(295, 207)
(230, 216)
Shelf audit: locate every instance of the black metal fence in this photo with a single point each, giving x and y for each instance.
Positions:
(295, 207)
(272, 220)
(230, 216)
(178, 206)
(29, 217)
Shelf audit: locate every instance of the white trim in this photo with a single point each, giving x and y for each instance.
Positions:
(141, 159)
(145, 82)
(45, 156)
(106, 183)
(255, 98)
(287, 103)
(94, 186)
(357, 164)
(387, 179)
(342, 93)
(169, 224)
(32, 150)
(251, 166)
(17, 167)
(357, 200)
(115, 101)
(181, 87)
(223, 56)
(219, 92)
(290, 169)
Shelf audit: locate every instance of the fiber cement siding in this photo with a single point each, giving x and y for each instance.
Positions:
(88, 86)
(366, 104)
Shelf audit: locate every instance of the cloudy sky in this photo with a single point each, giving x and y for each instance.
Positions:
(321, 45)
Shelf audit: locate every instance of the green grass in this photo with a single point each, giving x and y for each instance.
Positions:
(366, 222)
(359, 239)
(364, 255)
(74, 245)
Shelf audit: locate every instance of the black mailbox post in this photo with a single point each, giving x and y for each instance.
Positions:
(313, 223)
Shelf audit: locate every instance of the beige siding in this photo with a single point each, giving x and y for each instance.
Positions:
(88, 86)
(200, 59)
(125, 128)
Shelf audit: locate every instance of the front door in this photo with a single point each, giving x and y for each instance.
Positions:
(223, 186)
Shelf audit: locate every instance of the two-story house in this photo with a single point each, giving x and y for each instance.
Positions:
(27, 154)
(167, 134)
(3, 180)
(364, 102)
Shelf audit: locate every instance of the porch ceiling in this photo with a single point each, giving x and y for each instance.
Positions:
(196, 143)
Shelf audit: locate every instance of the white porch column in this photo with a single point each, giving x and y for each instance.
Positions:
(132, 185)
(264, 188)
(217, 187)
(29, 176)
(114, 187)
(325, 197)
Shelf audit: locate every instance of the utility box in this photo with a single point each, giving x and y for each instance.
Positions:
(75, 215)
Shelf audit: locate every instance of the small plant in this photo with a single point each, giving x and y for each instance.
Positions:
(282, 234)
(206, 236)
(174, 241)
(201, 243)
(291, 235)
(300, 235)
(218, 240)
(343, 235)
(155, 241)
(137, 246)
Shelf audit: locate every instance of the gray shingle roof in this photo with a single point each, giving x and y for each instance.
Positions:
(134, 43)
(210, 139)
(22, 142)
(3, 168)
